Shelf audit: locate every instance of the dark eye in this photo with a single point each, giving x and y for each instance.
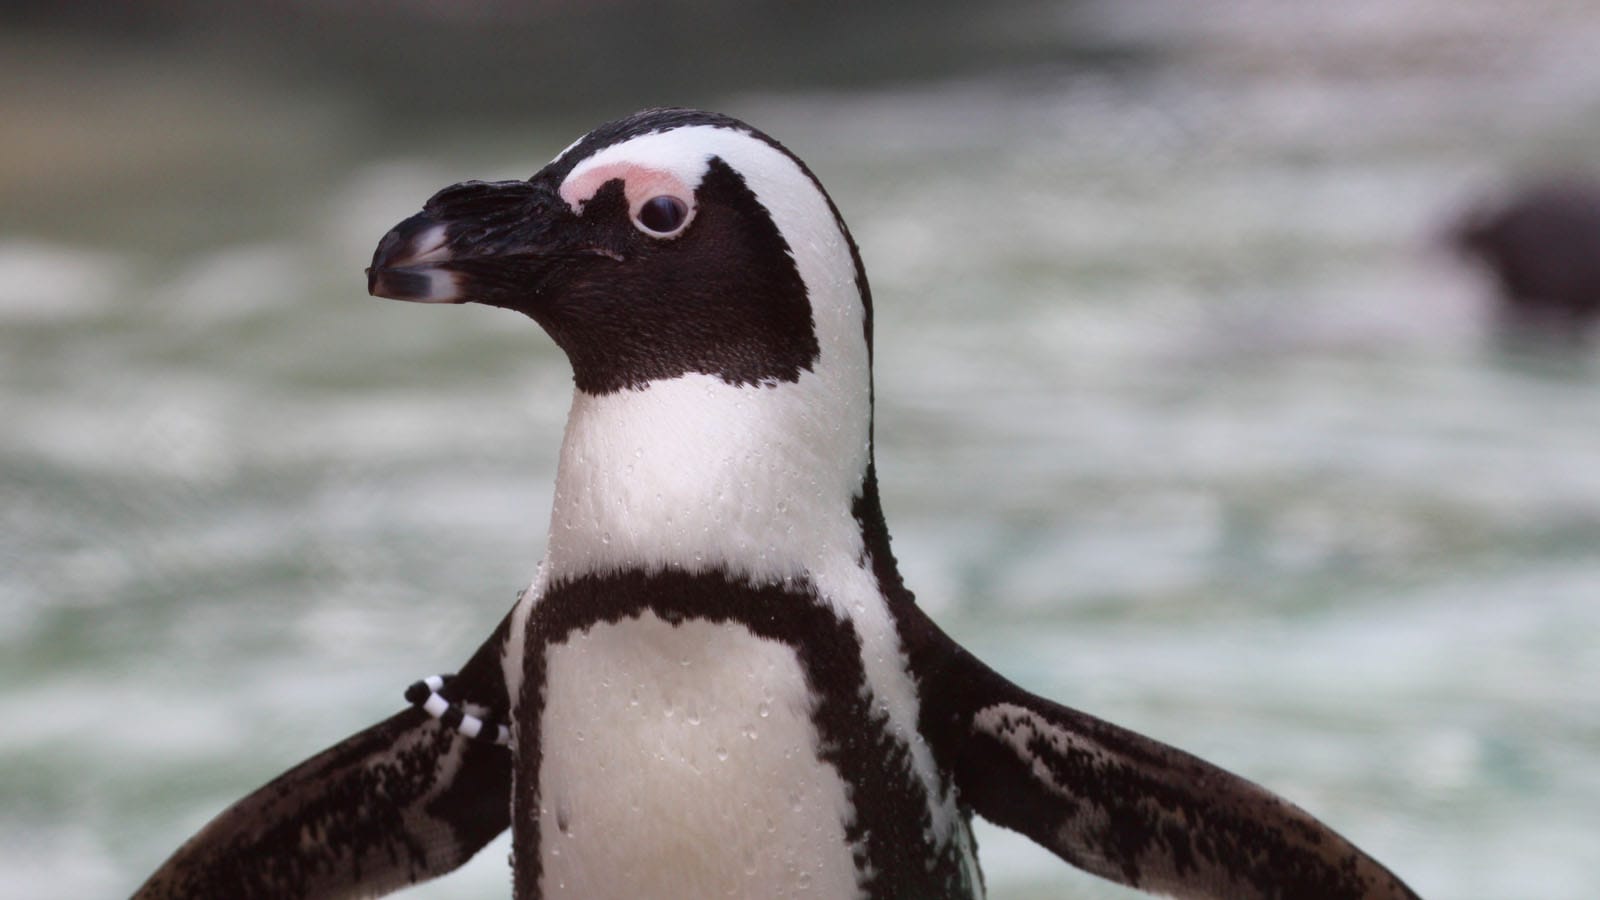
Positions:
(663, 214)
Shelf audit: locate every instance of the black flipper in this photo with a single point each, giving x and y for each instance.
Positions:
(1119, 804)
(406, 800)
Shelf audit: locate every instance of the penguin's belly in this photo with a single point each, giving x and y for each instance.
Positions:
(681, 760)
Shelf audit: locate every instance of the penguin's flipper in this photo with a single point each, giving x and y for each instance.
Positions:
(406, 800)
(1125, 807)
(398, 803)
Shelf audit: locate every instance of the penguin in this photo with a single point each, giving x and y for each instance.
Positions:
(718, 684)
(1541, 244)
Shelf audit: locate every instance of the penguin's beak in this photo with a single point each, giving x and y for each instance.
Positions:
(478, 242)
(412, 263)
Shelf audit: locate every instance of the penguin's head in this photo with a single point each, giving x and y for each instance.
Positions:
(669, 242)
(717, 319)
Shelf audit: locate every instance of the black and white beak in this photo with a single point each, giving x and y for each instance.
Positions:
(479, 242)
(411, 263)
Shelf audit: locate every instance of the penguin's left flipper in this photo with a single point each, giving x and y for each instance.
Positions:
(404, 801)
(1120, 805)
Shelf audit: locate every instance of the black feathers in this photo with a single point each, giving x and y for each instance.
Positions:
(722, 299)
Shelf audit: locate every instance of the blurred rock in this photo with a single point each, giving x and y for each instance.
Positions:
(1542, 244)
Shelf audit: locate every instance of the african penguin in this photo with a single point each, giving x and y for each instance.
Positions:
(717, 684)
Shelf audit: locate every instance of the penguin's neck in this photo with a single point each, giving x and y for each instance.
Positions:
(756, 481)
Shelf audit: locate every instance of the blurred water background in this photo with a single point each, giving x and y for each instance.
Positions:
(1187, 417)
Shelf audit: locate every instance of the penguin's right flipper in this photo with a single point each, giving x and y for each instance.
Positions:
(406, 800)
(1121, 805)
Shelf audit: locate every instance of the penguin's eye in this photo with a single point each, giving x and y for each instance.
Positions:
(662, 215)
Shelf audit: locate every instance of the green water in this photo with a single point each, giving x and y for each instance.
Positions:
(1184, 417)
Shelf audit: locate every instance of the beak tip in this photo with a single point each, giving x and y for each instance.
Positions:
(407, 264)
(421, 284)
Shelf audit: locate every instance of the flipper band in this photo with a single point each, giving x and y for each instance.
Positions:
(427, 696)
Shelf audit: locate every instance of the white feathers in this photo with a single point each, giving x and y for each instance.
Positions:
(681, 761)
(695, 473)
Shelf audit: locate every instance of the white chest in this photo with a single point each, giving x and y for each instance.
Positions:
(681, 761)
